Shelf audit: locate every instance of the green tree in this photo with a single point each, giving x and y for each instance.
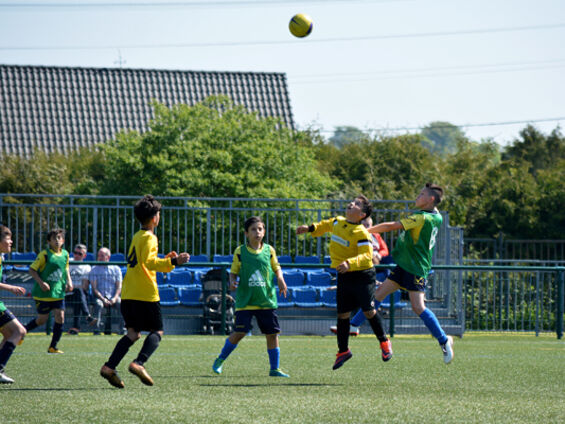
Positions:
(345, 135)
(442, 137)
(539, 150)
(213, 149)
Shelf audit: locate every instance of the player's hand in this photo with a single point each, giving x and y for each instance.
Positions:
(171, 255)
(282, 288)
(183, 258)
(69, 288)
(44, 286)
(16, 290)
(343, 267)
(233, 285)
(302, 229)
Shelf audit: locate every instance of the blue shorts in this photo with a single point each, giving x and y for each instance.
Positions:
(45, 306)
(407, 281)
(6, 317)
(267, 321)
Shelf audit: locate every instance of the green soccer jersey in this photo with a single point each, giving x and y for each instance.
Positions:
(414, 248)
(54, 273)
(256, 289)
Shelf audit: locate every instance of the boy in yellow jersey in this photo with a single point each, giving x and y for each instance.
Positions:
(50, 270)
(256, 264)
(351, 253)
(11, 329)
(140, 305)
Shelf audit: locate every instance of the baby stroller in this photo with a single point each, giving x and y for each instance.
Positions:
(212, 301)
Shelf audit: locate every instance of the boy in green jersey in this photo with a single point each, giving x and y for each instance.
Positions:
(12, 331)
(256, 264)
(413, 255)
(50, 270)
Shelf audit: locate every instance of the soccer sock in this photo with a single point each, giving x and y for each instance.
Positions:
(378, 327)
(343, 334)
(119, 352)
(5, 353)
(31, 325)
(432, 323)
(57, 333)
(274, 357)
(227, 349)
(358, 318)
(150, 345)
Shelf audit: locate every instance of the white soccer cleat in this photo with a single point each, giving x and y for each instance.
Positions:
(353, 331)
(4, 379)
(447, 349)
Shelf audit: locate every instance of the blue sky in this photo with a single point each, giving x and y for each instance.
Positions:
(385, 65)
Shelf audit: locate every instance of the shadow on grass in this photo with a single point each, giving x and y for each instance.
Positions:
(271, 385)
(56, 389)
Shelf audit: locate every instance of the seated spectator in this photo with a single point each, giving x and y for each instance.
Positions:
(106, 282)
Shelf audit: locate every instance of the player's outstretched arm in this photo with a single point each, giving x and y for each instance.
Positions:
(302, 229)
(385, 227)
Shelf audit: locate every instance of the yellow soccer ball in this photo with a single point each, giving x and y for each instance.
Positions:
(300, 25)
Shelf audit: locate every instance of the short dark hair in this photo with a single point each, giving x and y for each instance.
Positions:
(365, 205)
(436, 191)
(55, 232)
(146, 208)
(252, 220)
(4, 232)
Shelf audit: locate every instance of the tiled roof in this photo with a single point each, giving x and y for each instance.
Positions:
(62, 108)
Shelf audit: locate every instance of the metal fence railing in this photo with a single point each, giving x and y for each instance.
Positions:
(197, 225)
(464, 298)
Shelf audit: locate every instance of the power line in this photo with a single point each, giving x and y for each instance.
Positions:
(165, 4)
(482, 124)
(280, 42)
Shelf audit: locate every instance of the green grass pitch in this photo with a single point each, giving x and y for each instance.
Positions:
(517, 378)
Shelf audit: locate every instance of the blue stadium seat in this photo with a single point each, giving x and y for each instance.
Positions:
(118, 257)
(198, 258)
(160, 278)
(306, 297)
(300, 259)
(223, 258)
(179, 277)
(285, 302)
(397, 303)
(190, 296)
(293, 277)
(285, 259)
(328, 298)
(318, 279)
(89, 256)
(168, 296)
(19, 256)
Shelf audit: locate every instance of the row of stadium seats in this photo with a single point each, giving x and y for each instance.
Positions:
(303, 297)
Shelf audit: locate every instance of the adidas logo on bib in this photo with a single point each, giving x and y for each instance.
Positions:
(257, 280)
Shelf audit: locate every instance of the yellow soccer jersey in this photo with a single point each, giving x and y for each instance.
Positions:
(236, 263)
(140, 282)
(349, 242)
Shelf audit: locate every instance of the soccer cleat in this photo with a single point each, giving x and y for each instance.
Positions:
(91, 321)
(74, 331)
(278, 373)
(54, 350)
(447, 349)
(4, 379)
(21, 340)
(353, 331)
(341, 358)
(112, 377)
(139, 370)
(217, 366)
(386, 349)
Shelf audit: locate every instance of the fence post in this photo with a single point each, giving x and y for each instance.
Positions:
(560, 290)
(224, 291)
(95, 231)
(208, 233)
